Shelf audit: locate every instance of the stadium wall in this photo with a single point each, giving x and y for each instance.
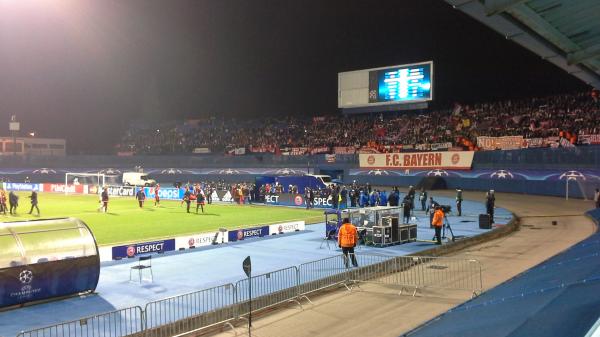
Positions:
(582, 164)
(550, 188)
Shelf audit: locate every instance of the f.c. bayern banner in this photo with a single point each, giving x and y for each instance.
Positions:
(447, 160)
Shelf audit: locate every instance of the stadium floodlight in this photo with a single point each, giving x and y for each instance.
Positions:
(84, 178)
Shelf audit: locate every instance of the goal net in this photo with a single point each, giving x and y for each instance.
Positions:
(76, 178)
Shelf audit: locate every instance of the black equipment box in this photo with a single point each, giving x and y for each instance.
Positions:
(407, 233)
(382, 235)
(485, 221)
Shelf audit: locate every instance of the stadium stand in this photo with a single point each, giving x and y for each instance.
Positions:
(567, 116)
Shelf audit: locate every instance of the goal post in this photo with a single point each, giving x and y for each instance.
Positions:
(78, 178)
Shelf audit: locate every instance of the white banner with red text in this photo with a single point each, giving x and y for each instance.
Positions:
(448, 160)
(500, 143)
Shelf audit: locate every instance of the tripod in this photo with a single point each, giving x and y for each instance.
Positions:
(447, 225)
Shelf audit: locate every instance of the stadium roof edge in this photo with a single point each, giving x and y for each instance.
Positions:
(562, 32)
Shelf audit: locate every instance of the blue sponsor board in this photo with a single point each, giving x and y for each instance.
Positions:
(287, 199)
(21, 187)
(119, 252)
(44, 280)
(254, 232)
(165, 193)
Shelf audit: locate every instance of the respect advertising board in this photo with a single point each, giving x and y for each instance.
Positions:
(448, 160)
(287, 227)
(246, 233)
(287, 199)
(132, 250)
(200, 240)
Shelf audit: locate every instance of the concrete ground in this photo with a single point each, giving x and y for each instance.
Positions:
(376, 310)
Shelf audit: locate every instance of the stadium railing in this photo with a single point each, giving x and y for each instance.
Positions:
(200, 309)
(223, 305)
(123, 322)
(420, 272)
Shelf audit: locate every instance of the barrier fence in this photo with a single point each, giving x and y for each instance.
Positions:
(223, 304)
(199, 309)
(123, 322)
(420, 272)
(268, 290)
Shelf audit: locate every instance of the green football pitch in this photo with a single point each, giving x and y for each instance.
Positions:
(125, 222)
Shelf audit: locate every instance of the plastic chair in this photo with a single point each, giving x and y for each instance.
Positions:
(144, 262)
(330, 236)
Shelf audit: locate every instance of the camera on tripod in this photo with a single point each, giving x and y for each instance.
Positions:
(446, 208)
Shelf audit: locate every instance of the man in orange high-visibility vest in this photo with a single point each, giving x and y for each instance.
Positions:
(347, 240)
(438, 222)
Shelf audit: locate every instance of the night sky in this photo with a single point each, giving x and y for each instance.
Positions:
(84, 69)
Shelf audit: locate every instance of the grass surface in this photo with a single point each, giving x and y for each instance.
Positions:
(125, 222)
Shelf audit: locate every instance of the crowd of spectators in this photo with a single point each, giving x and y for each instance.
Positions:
(574, 114)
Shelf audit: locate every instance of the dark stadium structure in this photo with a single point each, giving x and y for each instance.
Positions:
(524, 147)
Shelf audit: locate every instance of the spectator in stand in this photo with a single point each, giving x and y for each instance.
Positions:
(573, 115)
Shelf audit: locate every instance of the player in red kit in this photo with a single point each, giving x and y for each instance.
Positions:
(156, 197)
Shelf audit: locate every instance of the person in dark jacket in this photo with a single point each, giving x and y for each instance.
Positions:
(34, 202)
(141, 197)
(423, 199)
(459, 200)
(489, 204)
(406, 207)
(104, 201)
(393, 198)
(187, 198)
(13, 202)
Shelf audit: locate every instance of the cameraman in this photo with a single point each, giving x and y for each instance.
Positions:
(438, 223)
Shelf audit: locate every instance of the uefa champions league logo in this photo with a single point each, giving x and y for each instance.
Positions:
(572, 175)
(109, 170)
(26, 276)
(287, 171)
(44, 170)
(502, 174)
(437, 173)
(171, 171)
(378, 172)
(229, 171)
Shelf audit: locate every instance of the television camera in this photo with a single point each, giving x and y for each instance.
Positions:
(446, 208)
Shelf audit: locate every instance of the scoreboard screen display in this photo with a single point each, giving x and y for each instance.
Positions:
(401, 84)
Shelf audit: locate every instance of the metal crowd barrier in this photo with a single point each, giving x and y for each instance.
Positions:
(268, 290)
(116, 323)
(187, 312)
(223, 304)
(421, 272)
(321, 274)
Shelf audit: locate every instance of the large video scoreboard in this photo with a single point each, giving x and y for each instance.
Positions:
(393, 85)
